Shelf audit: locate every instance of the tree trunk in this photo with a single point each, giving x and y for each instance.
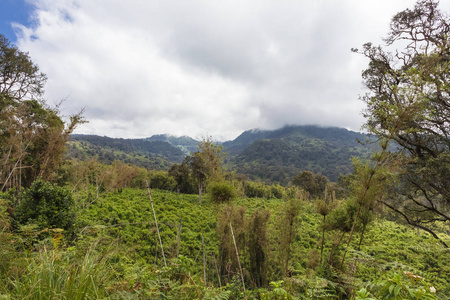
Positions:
(351, 234)
(362, 237)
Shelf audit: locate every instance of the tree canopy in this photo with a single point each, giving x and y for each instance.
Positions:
(206, 163)
(408, 103)
(32, 134)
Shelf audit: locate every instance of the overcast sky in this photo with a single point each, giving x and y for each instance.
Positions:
(144, 67)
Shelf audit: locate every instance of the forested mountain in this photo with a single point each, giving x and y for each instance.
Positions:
(278, 155)
(268, 155)
(184, 143)
(141, 152)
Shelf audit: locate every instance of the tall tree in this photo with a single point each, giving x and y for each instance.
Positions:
(206, 163)
(409, 102)
(314, 184)
(199, 171)
(32, 135)
(182, 175)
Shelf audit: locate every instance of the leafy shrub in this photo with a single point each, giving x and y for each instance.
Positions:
(399, 286)
(278, 293)
(161, 180)
(256, 190)
(47, 206)
(277, 191)
(221, 191)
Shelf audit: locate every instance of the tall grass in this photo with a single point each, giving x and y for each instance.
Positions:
(52, 274)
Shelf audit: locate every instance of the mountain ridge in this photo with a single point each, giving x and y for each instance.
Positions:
(266, 155)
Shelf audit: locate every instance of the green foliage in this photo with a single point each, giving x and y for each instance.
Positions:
(288, 223)
(161, 180)
(277, 156)
(7, 251)
(32, 135)
(47, 206)
(221, 191)
(212, 155)
(120, 225)
(407, 105)
(187, 144)
(278, 293)
(58, 275)
(182, 175)
(399, 287)
(253, 189)
(363, 294)
(258, 246)
(314, 184)
(154, 154)
(231, 216)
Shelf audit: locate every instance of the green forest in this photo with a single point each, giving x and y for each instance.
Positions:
(297, 213)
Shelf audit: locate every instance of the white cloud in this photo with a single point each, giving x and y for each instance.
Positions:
(195, 67)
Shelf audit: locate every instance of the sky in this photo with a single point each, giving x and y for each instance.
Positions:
(201, 67)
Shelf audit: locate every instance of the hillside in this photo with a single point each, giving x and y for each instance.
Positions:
(118, 249)
(184, 143)
(278, 155)
(267, 155)
(154, 154)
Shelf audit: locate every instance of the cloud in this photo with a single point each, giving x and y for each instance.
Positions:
(205, 67)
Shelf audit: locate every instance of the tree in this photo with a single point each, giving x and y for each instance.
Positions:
(315, 185)
(199, 171)
(212, 155)
(409, 103)
(19, 76)
(32, 135)
(306, 181)
(206, 163)
(182, 175)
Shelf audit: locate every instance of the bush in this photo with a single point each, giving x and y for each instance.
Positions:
(161, 180)
(256, 190)
(46, 205)
(221, 191)
(399, 286)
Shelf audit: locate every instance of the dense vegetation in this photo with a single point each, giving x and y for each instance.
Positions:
(157, 154)
(270, 156)
(117, 245)
(277, 156)
(96, 227)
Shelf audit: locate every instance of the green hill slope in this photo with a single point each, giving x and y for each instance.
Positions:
(184, 143)
(387, 245)
(156, 154)
(279, 155)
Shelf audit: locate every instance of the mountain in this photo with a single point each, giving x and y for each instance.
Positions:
(153, 154)
(267, 155)
(279, 155)
(186, 144)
